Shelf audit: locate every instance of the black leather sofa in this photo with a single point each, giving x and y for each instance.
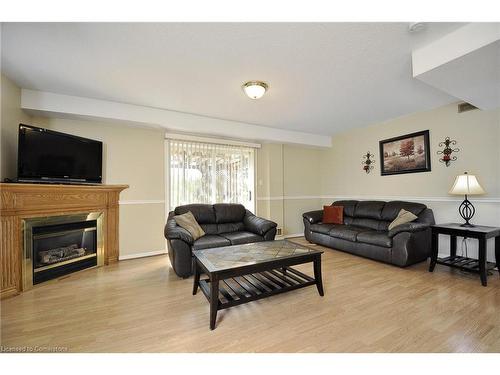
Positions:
(224, 225)
(365, 231)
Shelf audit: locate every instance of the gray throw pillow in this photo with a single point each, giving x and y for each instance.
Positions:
(189, 223)
(402, 218)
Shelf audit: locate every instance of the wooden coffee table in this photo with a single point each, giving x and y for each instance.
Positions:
(243, 273)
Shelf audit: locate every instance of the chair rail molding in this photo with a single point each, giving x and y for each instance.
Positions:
(142, 201)
(378, 197)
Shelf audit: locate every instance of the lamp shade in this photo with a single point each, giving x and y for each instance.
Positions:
(466, 184)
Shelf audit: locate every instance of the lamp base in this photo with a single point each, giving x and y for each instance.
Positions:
(467, 225)
(467, 211)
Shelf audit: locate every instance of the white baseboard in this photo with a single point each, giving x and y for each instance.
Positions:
(282, 237)
(142, 255)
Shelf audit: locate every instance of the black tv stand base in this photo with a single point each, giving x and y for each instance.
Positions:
(50, 182)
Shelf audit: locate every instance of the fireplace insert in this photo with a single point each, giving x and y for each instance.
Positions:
(57, 246)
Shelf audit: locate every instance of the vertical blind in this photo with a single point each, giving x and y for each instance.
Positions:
(210, 173)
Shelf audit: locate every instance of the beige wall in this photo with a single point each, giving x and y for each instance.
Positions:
(301, 187)
(11, 116)
(270, 182)
(288, 184)
(476, 133)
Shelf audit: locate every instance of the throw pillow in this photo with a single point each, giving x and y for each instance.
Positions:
(189, 223)
(402, 218)
(333, 214)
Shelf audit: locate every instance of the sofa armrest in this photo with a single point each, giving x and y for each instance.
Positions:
(257, 225)
(270, 234)
(408, 227)
(176, 232)
(313, 217)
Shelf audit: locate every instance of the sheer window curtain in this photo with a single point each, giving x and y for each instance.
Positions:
(209, 173)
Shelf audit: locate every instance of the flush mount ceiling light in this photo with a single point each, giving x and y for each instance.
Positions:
(255, 89)
(415, 27)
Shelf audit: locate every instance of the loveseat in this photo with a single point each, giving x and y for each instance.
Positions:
(224, 225)
(365, 231)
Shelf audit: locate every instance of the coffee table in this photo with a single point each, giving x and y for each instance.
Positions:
(244, 273)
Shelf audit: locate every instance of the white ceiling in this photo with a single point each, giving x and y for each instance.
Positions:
(323, 77)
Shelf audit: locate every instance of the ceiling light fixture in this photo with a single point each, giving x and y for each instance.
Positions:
(415, 27)
(255, 89)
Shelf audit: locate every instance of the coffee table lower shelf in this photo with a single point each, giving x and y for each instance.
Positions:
(251, 287)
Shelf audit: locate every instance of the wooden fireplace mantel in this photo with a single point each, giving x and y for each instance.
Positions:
(20, 201)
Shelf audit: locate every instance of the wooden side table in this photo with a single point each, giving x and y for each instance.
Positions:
(481, 233)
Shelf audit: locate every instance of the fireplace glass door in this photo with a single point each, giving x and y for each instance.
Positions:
(60, 249)
(57, 246)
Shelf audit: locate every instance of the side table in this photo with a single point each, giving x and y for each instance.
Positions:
(481, 233)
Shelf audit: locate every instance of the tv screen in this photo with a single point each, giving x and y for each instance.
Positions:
(49, 156)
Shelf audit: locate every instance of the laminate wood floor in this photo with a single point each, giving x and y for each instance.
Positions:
(142, 306)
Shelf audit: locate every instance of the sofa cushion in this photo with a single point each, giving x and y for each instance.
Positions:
(189, 223)
(369, 209)
(209, 241)
(391, 209)
(203, 213)
(229, 213)
(209, 228)
(333, 214)
(349, 206)
(346, 232)
(230, 227)
(379, 238)
(238, 238)
(402, 218)
(322, 228)
(348, 220)
(366, 223)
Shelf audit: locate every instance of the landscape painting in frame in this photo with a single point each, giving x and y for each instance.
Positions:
(405, 154)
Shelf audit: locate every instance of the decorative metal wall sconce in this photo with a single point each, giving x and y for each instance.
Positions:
(368, 162)
(447, 151)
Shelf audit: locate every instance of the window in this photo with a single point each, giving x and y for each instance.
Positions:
(210, 173)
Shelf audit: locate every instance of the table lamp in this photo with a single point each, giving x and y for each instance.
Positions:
(466, 184)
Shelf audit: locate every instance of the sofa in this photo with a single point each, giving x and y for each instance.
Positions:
(224, 225)
(365, 231)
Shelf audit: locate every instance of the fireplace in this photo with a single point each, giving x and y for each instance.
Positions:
(55, 246)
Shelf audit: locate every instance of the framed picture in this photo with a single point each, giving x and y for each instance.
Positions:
(408, 153)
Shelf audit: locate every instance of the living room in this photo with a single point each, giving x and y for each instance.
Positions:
(338, 190)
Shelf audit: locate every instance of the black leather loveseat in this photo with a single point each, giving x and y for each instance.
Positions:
(224, 225)
(365, 231)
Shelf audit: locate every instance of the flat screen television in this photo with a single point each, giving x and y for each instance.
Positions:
(49, 156)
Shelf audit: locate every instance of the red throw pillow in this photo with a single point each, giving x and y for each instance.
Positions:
(333, 214)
